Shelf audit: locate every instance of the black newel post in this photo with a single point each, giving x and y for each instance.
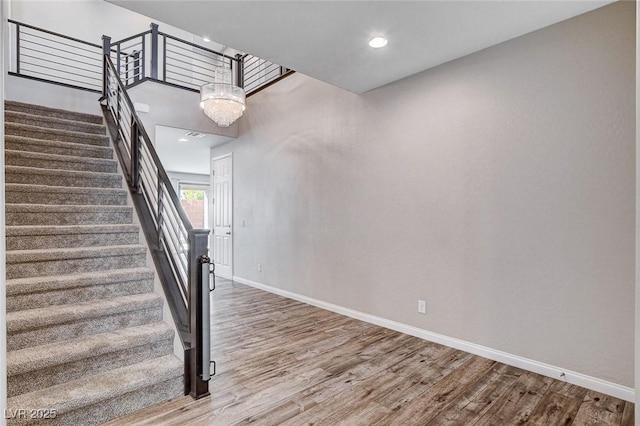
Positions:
(106, 51)
(17, 48)
(154, 51)
(198, 246)
(240, 70)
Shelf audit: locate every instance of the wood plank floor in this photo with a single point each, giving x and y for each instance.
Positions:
(281, 362)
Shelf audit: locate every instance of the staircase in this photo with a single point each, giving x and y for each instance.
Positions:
(85, 335)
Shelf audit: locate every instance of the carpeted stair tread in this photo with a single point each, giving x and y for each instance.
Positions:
(26, 130)
(52, 261)
(33, 319)
(15, 231)
(40, 255)
(31, 144)
(67, 287)
(68, 236)
(53, 122)
(18, 286)
(56, 363)
(48, 355)
(87, 391)
(68, 178)
(52, 112)
(59, 162)
(43, 194)
(42, 214)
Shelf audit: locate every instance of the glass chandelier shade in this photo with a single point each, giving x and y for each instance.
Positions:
(221, 101)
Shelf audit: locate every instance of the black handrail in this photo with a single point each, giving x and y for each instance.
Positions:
(231, 58)
(166, 227)
(124, 40)
(22, 24)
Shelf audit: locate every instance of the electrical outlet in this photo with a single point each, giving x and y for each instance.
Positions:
(422, 307)
(259, 267)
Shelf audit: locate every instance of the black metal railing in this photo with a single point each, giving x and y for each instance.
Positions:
(260, 73)
(178, 250)
(151, 55)
(55, 58)
(154, 55)
(189, 65)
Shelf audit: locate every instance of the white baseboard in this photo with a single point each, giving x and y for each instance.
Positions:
(593, 383)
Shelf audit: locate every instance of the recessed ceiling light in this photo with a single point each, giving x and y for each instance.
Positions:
(183, 140)
(378, 42)
(206, 39)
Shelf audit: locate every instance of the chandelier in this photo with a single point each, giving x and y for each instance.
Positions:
(221, 101)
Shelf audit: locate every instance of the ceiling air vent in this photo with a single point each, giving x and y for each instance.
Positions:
(195, 135)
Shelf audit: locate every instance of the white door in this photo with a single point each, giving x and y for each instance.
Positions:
(222, 237)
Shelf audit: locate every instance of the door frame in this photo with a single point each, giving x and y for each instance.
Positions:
(211, 210)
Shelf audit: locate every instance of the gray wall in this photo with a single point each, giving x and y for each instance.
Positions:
(499, 187)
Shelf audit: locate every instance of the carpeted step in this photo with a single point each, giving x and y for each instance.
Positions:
(33, 237)
(52, 112)
(59, 162)
(63, 195)
(43, 146)
(41, 214)
(39, 292)
(35, 132)
(34, 327)
(66, 178)
(30, 369)
(96, 399)
(37, 263)
(53, 123)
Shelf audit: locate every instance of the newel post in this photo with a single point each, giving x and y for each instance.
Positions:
(106, 51)
(240, 70)
(199, 314)
(154, 51)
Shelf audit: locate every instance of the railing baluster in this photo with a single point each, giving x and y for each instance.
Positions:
(164, 58)
(136, 66)
(126, 71)
(144, 60)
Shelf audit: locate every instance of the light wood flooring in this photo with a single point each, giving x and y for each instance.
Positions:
(281, 362)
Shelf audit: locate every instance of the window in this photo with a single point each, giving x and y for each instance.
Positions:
(195, 202)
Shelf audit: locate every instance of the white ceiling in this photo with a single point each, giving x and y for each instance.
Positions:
(327, 40)
(190, 156)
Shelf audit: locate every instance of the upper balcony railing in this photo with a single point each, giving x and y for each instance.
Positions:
(151, 55)
(54, 58)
